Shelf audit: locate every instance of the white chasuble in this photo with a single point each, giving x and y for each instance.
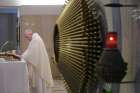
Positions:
(40, 75)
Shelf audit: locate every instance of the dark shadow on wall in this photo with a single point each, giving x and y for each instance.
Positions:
(8, 29)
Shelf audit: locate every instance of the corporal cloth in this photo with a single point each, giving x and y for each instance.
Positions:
(39, 66)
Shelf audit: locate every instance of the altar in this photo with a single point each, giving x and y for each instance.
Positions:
(13, 77)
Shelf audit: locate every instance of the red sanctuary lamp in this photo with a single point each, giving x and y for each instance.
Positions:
(111, 67)
(111, 40)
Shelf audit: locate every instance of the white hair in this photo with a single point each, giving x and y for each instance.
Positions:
(28, 30)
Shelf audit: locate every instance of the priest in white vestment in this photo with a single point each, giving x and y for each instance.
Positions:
(40, 76)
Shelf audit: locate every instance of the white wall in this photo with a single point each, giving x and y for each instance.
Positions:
(40, 9)
(108, 12)
(130, 45)
(9, 2)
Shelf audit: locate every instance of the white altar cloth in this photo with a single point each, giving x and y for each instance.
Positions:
(14, 77)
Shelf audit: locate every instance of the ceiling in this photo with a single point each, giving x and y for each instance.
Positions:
(51, 7)
(30, 2)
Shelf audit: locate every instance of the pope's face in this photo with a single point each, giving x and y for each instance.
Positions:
(28, 35)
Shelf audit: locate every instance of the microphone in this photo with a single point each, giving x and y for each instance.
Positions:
(1, 48)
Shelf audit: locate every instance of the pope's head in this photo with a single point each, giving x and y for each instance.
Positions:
(28, 34)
